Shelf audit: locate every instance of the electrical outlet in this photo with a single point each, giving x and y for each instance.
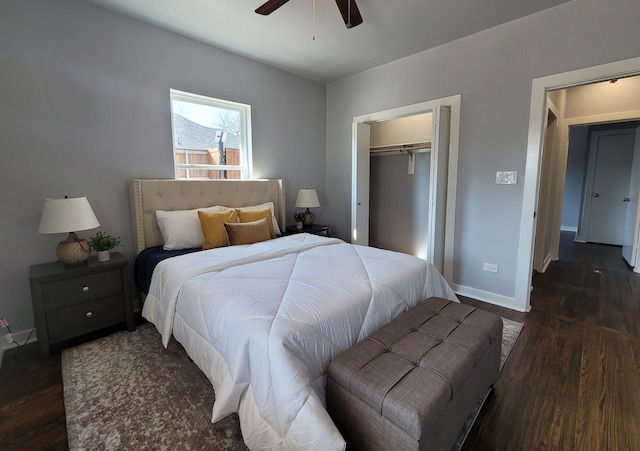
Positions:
(3, 323)
(8, 338)
(490, 267)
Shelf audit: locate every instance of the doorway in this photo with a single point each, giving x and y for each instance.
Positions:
(399, 191)
(442, 181)
(538, 113)
(604, 161)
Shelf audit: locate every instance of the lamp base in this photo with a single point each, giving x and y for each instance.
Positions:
(73, 251)
(309, 218)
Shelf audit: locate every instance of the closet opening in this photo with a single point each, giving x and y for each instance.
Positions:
(404, 170)
(400, 153)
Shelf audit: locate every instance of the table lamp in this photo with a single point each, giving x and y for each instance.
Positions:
(307, 198)
(69, 214)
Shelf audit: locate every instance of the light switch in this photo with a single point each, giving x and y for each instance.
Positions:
(506, 177)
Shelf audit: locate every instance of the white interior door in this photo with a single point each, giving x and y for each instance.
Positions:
(610, 189)
(632, 222)
(438, 181)
(544, 215)
(360, 183)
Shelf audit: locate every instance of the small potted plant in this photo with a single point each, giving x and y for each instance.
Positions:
(299, 217)
(103, 243)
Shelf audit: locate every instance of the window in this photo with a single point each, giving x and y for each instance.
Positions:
(211, 137)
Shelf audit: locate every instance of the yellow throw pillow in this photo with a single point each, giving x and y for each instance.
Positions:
(254, 215)
(213, 229)
(247, 232)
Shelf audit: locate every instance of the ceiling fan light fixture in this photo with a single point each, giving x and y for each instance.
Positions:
(348, 9)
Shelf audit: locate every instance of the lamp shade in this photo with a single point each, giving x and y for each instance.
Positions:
(307, 198)
(68, 214)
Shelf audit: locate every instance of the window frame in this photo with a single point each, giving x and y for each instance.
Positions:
(246, 169)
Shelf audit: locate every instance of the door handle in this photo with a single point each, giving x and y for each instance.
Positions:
(596, 195)
(626, 199)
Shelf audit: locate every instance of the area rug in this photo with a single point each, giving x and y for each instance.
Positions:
(510, 332)
(125, 391)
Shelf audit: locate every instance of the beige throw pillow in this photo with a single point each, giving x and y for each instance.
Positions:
(254, 215)
(247, 232)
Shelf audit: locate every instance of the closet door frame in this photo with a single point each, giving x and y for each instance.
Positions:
(360, 175)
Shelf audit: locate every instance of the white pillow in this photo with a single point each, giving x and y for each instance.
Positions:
(269, 205)
(181, 229)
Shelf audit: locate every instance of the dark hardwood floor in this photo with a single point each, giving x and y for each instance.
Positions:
(31, 397)
(31, 402)
(572, 381)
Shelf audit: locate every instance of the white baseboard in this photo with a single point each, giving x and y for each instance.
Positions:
(19, 337)
(568, 229)
(485, 296)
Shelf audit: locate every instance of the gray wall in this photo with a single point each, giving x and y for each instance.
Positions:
(493, 71)
(84, 102)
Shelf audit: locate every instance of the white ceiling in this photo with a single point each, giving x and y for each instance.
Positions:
(392, 29)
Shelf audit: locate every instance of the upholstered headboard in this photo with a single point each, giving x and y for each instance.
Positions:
(147, 196)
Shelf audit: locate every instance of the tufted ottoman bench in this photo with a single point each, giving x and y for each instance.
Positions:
(412, 384)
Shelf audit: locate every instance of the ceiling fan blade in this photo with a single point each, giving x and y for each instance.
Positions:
(270, 6)
(350, 12)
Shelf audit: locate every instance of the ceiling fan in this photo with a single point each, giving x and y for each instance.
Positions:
(348, 8)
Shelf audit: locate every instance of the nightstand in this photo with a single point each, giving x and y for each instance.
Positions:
(315, 229)
(70, 301)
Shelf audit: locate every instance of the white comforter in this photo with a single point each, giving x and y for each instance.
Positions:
(263, 321)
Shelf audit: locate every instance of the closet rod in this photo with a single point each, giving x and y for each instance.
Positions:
(400, 148)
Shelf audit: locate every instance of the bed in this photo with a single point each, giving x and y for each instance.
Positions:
(263, 320)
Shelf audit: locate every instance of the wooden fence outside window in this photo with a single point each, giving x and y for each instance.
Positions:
(209, 157)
